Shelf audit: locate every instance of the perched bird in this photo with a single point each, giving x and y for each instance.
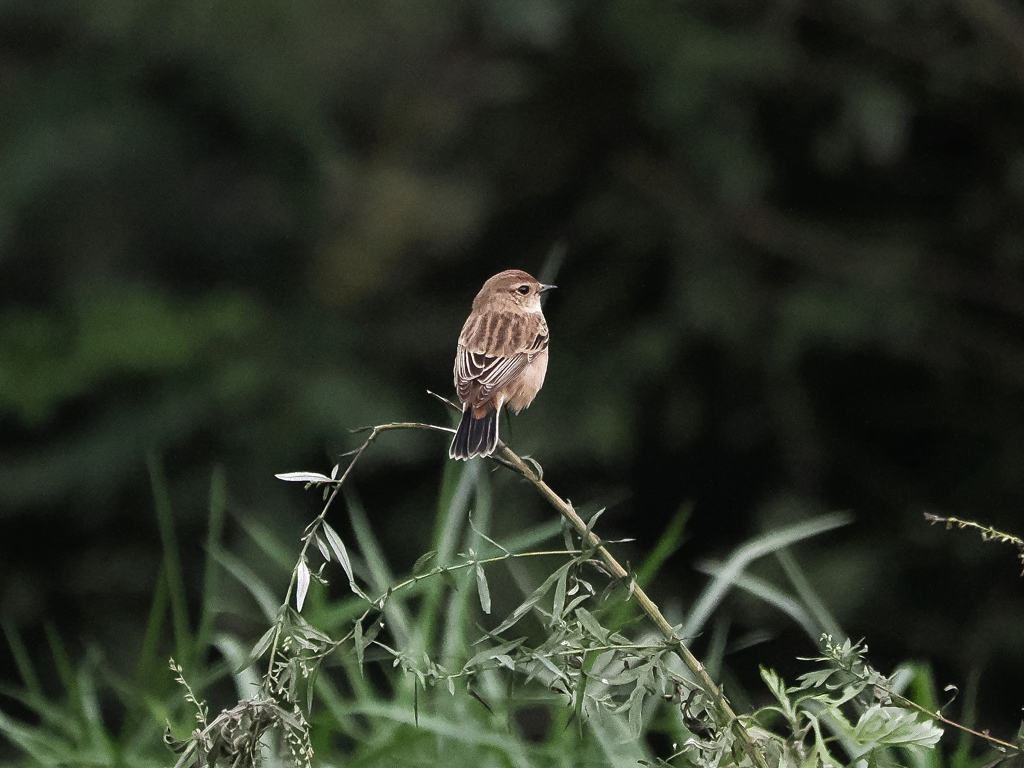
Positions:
(501, 359)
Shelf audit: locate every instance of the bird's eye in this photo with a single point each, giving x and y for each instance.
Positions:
(523, 289)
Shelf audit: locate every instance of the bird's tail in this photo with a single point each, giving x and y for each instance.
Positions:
(475, 437)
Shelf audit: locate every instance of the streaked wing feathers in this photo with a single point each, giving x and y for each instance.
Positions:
(494, 348)
(478, 377)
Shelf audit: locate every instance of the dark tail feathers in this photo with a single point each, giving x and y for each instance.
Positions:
(475, 437)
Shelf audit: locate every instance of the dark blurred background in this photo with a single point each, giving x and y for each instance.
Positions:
(787, 237)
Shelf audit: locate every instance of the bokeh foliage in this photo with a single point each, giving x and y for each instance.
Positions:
(787, 236)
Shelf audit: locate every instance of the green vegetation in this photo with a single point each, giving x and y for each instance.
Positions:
(423, 669)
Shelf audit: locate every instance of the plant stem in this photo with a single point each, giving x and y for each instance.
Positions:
(725, 717)
(313, 527)
(723, 713)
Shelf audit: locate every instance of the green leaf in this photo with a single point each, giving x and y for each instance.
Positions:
(814, 679)
(263, 644)
(22, 659)
(357, 640)
(532, 600)
(340, 553)
(323, 548)
(895, 726)
(292, 675)
(301, 584)
(424, 563)
(579, 695)
(636, 715)
(303, 477)
(592, 625)
(494, 652)
(670, 540)
(307, 632)
(261, 647)
(371, 634)
(558, 606)
(311, 687)
(544, 662)
(777, 687)
(574, 604)
(819, 756)
(482, 589)
(449, 579)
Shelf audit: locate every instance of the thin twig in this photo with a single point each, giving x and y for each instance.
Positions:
(314, 527)
(998, 743)
(446, 401)
(988, 533)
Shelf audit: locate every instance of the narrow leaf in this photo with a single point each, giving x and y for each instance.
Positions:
(636, 714)
(590, 523)
(303, 477)
(558, 606)
(261, 647)
(482, 589)
(301, 585)
(371, 634)
(580, 694)
(357, 639)
(532, 600)
(447, 578)
(486, 538)
(591, 624)
(322, 546)
(543, 661)
(495, 652)
(311, 687)
(517, 614)
(22, 660)
(263, 644)
(340, 553)
(424, 563)
(746, 554)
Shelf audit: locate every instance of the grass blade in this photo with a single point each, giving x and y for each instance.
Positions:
(245, 576)
(172, 562)
(214, 533)
(22, 660)
(746, 554)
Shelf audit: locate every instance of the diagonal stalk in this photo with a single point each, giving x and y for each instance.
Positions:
(724, 715)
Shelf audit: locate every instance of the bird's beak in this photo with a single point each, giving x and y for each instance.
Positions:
(546, 288)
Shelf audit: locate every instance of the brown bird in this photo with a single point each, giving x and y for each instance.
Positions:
(501, 359)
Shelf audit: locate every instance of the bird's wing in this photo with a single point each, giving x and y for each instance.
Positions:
(478, 376)
(493, 351)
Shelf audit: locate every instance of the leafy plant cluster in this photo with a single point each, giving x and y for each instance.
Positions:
(234, 737)
(588, 658)
(817, 712)
(579, 646)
